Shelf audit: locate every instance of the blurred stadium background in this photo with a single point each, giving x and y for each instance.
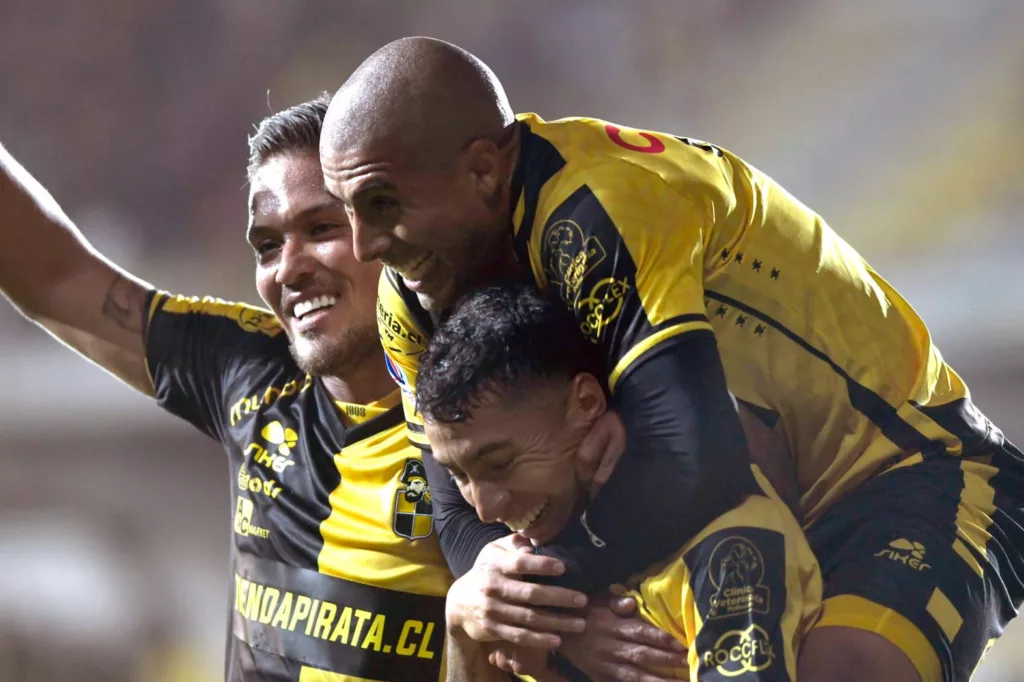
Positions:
(900, 122)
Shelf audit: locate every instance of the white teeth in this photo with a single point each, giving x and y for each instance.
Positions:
(521, 524)
(306, 307)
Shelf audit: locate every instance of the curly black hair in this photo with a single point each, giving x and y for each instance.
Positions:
(499, 339)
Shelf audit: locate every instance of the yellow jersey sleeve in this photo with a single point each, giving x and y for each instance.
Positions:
(624, 247)
(403, 335)
(741, 595)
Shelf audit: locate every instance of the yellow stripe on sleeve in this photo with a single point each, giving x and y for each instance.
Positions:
(650, 342)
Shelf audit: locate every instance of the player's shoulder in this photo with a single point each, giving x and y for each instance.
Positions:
(224, 328)
(247, 318)
(593, 150)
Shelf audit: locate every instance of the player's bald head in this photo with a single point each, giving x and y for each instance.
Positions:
(424, 97)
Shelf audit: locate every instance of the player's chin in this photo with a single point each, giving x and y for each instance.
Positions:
(442, 292)
(314, 354)
(550, 523)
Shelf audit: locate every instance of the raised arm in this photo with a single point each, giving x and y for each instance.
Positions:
(56, 279)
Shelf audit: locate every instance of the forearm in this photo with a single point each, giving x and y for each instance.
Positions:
(686, 463)
(42, 248)
(52, 275)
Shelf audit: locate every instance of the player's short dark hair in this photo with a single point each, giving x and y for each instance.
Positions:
(499, 340)
(296, 128)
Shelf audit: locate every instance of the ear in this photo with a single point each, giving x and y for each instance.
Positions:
(587, 401)
(483, 161)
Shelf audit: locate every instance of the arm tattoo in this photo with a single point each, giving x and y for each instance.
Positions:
(125, 304)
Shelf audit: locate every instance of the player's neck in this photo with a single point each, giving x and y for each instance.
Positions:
(361, 384)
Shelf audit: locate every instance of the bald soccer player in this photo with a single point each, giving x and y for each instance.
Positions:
(687, 267)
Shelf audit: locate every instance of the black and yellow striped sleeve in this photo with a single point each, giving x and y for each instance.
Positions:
(625, 252)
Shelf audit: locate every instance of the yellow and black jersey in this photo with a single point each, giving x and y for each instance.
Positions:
(650, 239)
(741, 596)
(337, 570)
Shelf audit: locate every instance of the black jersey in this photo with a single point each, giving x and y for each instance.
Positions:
(336, 567)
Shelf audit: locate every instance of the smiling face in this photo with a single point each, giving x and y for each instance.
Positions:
(442, 225)
(306, 271)
(514, 459)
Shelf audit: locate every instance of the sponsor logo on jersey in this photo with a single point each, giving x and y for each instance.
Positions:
(243, 520)
(740, 651)
(907, 552)
(256, 485)
(736, 569)
(276, 453)
(395, 371)
(602, 305)
(337, 623)
(396, 335)
(568, 257)
(413, 518)
(250, 404)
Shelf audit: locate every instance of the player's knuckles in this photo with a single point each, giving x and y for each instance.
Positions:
(616, 673)
(528, 563)
(629, 630)
(634, 655)
(490, 628)
(520, 637)
(491, 609)
(531, 618)
(493, 584)
(531, 593)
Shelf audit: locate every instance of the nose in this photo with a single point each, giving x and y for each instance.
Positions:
(368, 242)
(490, 501)
(295, 264)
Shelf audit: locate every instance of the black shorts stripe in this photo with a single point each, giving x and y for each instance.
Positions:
(863, 399)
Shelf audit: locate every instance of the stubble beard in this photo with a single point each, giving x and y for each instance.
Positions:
(339, 355)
